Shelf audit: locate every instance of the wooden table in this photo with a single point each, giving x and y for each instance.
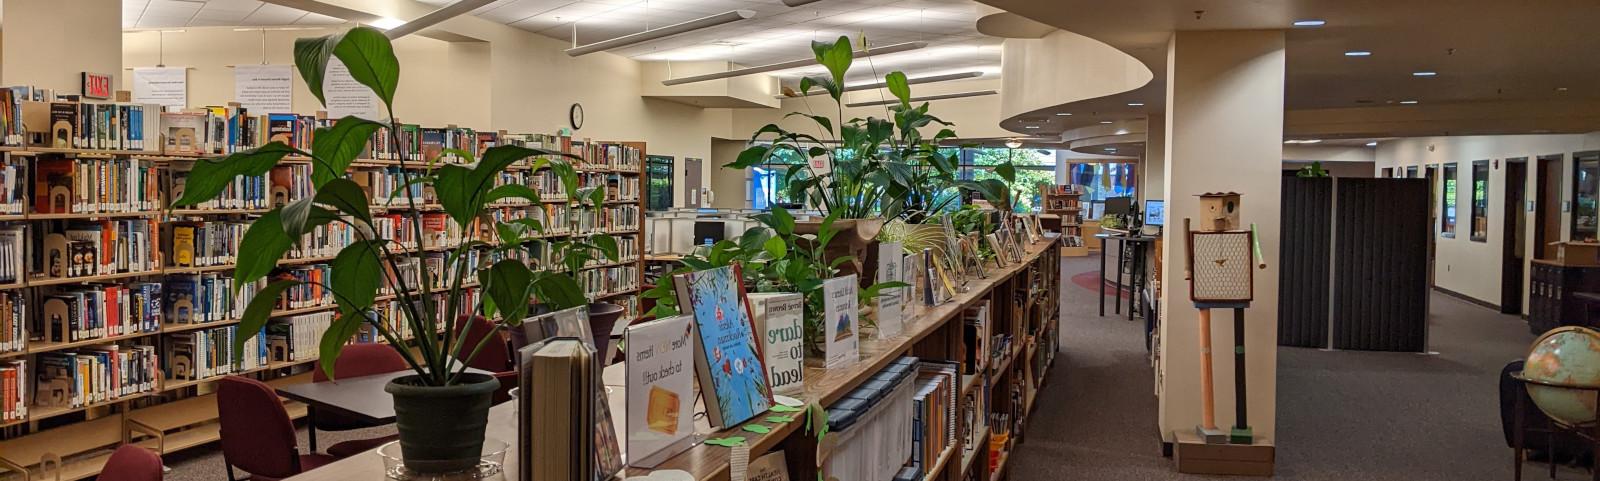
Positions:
(362, 397)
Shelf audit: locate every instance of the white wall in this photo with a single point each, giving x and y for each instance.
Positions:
(1462, 265)
(53, 41)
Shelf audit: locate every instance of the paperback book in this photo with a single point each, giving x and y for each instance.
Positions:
(780, 320)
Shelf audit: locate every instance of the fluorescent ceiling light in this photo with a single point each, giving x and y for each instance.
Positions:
(1424, 73)
(796, 3)
(1030, 126)
(1105, 121)
(1408, 102)
(387, 23)
(1013, 143)
(1063, 114)
(1135, 104)
(433, 18)
(663, 32)
(1307, 141)
(1309, 23)
(1372, 144)
(979, 93)
(772, 67)
(915, 81)
(1357, 53)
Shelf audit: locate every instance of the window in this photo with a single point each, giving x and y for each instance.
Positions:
(1447, 226)
(768, 185)
(1034, 167)
(1103, 181)
(658, 182)
(1387, 173)
(1585, 189)
(1411, 172)
(1480, 200)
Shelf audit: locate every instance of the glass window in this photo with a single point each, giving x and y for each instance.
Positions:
(768, 182)
(1480, 200)
(1034, 167)
(1387, 173)
(1447, 226)
(1103, 181)
(1585, 188)
(1411, 172)
(658, 184)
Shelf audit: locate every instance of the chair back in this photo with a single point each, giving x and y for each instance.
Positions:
(495, 356)
(132, 463)
(257, 435)
(358, 360)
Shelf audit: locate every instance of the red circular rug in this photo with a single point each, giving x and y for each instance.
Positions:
(1087, 280)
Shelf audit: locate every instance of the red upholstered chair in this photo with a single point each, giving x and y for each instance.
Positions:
(508, 380)
(355, 360)
(257, 435)
(132, 463)
(495, 356)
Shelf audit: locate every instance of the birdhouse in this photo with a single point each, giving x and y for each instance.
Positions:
(1219, 211)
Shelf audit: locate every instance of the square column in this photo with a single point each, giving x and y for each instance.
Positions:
(1223, 133)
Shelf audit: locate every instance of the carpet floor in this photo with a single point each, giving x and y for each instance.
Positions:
(1342, 415)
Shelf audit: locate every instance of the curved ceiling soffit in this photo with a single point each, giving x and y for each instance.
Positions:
(1010, 25)
(1064, 81)
(1124, 138)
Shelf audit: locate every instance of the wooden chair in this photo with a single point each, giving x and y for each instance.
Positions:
(257, 435)
(355, 360)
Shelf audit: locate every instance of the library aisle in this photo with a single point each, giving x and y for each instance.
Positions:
(1097, 420)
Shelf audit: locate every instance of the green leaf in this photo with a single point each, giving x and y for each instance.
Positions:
(568, 177)
(836, 58)
(782, 221)
(607, 245)
(841, 260)
(1007, 171)
(334, 339)
(259, 310)
(559, 292)
(777, 248)
(899, 86)
(338, 146)
(805, 85)
(263, 244)
(356, 274)
(463, 191)
(752, 156)
(506, 283)
(346, 196)
(210, 176)
(597, 197)
(311, 59)
(512, 191)
(366, 52)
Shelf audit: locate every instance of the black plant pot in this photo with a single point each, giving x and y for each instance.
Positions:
(603, 317)
(441, 427)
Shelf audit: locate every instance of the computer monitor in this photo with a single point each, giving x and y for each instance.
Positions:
(1155, 212)
(708, 232)
(1119, 205)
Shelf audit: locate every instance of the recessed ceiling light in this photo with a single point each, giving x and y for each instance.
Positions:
(1357, 53)
(1135, 104)
(1561, 89)
(387, 23)
(1372, 144)
(1311, 141)
(1030, 126)
(1063, 114)
(1108, 149)
(1309, 23)
(1408, 102)
(1105, 121)
(1424, 73)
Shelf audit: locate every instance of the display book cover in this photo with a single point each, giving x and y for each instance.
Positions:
(660, 394)
(841, 313)
(780, 323)
(728, 359)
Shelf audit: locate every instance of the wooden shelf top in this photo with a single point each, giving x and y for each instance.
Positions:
(73, 438)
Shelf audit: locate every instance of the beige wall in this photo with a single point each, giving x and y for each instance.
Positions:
(974, 117)
(1223, 88)
(731, 186)
(1349, 170)
(53, 41)
(1153, 167)
(1461, 264)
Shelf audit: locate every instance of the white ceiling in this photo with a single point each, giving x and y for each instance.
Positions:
(776, 33)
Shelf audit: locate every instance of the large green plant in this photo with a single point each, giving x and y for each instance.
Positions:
(359, 270)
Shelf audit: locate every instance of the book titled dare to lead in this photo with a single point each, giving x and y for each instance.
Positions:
(728, 358)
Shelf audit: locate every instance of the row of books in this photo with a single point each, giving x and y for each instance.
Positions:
(94, 375)
(13, 252)
(13, 184)
(13, 390)
(199, 244)
(205, 297)
(619, 188)
(242, 192)
(227, 129)
(975, 334)
(933, 413)
(70, 185)
(102, 125)
(598, 155)
(100, 311)
(296, 338)
(609, 280)
(13, 322)
(613, 218)
(95, 248)
(874, 424)
(310, 292)
(207, 353)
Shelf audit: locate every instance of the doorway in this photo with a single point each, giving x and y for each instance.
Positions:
(1515, 236)
(692, 192)
(1431, 173)
(1547, 208)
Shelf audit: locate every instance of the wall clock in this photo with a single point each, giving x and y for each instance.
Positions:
(575, 116)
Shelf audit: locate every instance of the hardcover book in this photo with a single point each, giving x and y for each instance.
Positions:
(660, 381)
(842, 317)
(780, 320)
(728, 358)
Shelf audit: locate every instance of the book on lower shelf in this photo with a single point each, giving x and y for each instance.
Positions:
(934, 413)
(92, 375)
(202, 298)
(99, 311)
(14, 390)
(296, 338)
(14, 322)
(873, 425)
(207, 353)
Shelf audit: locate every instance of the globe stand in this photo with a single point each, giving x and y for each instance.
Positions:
(1590, 432)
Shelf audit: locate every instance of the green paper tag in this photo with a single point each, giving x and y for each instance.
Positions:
(785, 409)
(727, 442)
(758, 429)
(779, 419)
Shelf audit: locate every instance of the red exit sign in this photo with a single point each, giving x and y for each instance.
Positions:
(96, 86)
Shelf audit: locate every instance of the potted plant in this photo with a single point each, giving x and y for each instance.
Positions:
(441, 409)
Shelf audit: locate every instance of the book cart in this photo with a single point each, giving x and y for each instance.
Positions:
(66, 443)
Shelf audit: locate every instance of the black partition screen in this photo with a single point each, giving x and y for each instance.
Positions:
(1376, 296)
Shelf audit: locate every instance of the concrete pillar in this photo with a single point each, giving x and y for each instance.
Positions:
(49, 43)
(1223, 132)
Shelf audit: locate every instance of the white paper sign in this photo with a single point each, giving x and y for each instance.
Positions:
(891, 320)
(660, 392)
(780, 321)
(264, 89)
(842, 316)
(164, 86)
(344, 96)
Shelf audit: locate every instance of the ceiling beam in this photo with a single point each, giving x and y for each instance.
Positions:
(663, 32)
(432, 18)
(771, 67)
(960, 95)
(914, 81)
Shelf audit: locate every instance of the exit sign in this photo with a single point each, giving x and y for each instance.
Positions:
(96, 86)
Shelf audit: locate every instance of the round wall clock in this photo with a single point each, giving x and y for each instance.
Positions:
(575, 116)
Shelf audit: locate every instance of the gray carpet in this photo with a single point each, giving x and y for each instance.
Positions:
(1342, 416)
(205, 463)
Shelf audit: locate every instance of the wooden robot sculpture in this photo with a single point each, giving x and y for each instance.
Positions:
(1222, 262)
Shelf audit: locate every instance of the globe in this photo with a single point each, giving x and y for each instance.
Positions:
(1569, 356)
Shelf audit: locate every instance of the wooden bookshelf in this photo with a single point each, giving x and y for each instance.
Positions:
(177, 414)
(1065, 202)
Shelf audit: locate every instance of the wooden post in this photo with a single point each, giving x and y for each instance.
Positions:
(1208, 399)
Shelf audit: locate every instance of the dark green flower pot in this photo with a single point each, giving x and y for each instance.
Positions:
(441, 427)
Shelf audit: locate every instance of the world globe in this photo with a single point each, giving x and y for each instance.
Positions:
(1568, 356)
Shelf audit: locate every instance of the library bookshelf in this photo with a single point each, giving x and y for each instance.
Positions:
(1024, 307)
(168, 414)
(1065, 202)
